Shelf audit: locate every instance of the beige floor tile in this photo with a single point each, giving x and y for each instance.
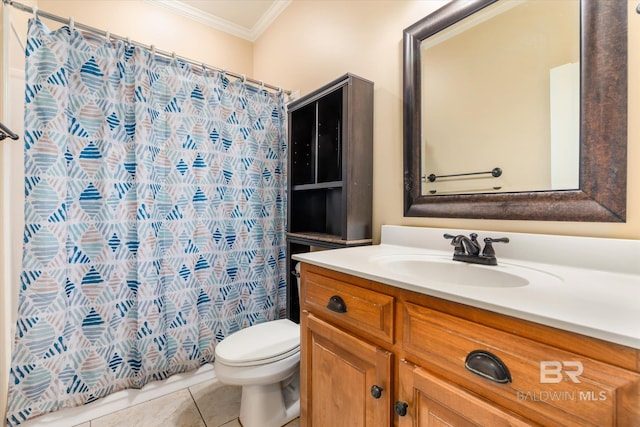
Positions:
(173, 410)
(219, 404)
(236, 423)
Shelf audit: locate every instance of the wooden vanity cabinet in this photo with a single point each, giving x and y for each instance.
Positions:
(346, 378)
(376, 355)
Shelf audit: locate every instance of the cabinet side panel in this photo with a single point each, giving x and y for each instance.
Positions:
(358, 159)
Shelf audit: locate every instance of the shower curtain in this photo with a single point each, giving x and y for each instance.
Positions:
(155, 216)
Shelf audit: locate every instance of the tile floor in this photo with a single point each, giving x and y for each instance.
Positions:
(209, 404)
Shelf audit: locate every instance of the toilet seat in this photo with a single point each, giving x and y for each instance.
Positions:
(260, 344)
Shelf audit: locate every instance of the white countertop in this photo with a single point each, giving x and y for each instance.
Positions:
(598, 293)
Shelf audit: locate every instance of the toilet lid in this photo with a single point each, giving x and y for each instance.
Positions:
(258, 344)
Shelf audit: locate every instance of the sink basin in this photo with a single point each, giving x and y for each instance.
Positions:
(426, 269)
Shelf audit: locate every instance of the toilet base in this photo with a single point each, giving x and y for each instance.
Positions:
(270, 405)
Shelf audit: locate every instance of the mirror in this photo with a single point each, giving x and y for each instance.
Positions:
(519, 61)
(583, 82)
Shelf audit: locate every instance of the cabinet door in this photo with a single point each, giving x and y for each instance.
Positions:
(345, 381)
(429, 402)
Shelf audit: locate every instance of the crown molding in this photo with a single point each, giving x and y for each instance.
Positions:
(224, 25)
(277, 7)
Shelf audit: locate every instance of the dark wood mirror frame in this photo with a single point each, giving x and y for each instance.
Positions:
(602, 196)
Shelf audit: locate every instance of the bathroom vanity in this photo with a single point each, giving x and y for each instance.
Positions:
(538, 340)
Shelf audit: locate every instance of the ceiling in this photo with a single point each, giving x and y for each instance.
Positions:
(242, 18)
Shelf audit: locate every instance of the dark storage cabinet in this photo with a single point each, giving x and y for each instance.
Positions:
(316, 142)
(330, 169)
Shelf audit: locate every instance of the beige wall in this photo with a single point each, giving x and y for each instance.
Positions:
(149, 24)
(315, 41)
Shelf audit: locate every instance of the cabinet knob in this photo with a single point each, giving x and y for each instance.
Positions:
(401, 408)
(487, 365)
(376, 391)
(337, 304)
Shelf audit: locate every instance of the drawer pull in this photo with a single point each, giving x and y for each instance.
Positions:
(401, 408)
(337, 304)
(376, 391)
(488, 366)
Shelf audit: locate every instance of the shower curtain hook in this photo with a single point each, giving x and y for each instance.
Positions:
(35, 12)
(128, 41)
(243, 77)
(153, 51)
(261, 85)
(72, 24)
(108, 36)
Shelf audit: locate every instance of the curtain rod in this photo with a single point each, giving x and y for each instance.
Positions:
(71, 23)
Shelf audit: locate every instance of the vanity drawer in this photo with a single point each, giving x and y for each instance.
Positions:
(548, 386)
(353, 307)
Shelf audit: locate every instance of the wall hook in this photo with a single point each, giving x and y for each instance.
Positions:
(5, 132)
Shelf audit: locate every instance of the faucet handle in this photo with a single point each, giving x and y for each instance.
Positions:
(488, 250)
(455, 242)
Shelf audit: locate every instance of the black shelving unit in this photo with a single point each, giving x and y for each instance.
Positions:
(330, 171)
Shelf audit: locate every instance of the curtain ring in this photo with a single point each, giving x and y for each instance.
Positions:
(153, 51)
(35, 12)
(128, 41)
(173, 56)
(108, 36)
(261, 85)
(72, 24)
(243, 78)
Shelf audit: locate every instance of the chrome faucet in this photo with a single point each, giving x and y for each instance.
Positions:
(467, 249)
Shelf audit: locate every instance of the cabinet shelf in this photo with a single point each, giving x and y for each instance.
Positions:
(317, 186)
(322, 239)
(331, 160)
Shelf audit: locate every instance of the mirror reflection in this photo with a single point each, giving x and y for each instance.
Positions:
(501, 89)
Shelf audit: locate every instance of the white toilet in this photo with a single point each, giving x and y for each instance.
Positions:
(265, 360)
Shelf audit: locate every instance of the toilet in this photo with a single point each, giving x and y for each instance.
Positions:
(265, 360)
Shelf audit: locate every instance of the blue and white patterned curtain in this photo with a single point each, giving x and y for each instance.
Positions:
(155, 216)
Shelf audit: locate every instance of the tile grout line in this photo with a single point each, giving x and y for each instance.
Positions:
(197, 407)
